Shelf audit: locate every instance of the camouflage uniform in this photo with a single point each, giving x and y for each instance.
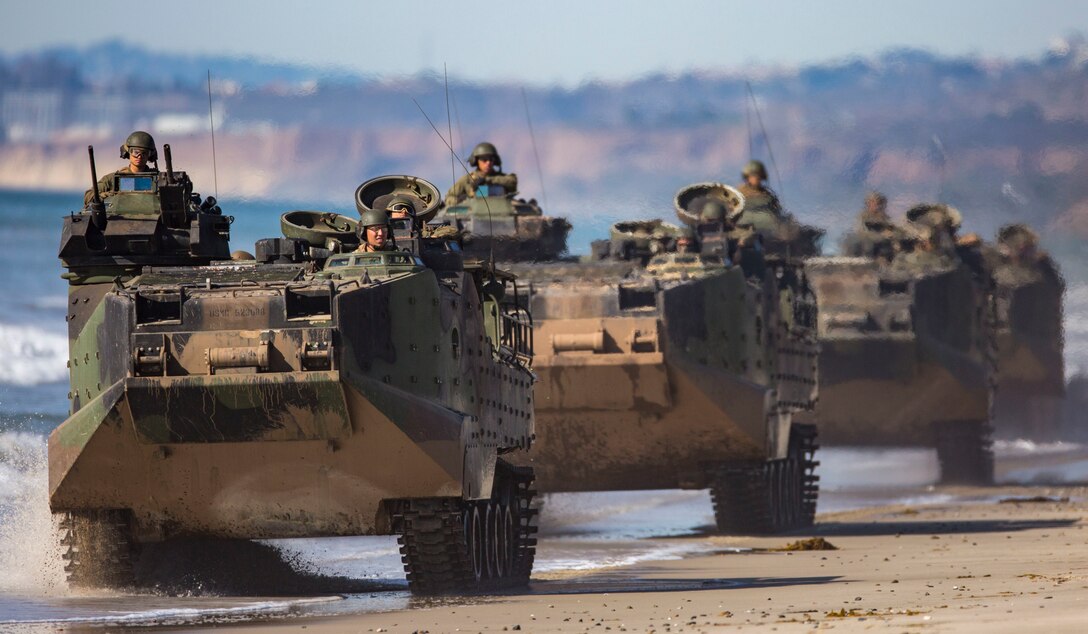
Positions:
(876, 236)
(760, 198)
(105, 184)
(138, 139)
(467, 185)
(934, 245)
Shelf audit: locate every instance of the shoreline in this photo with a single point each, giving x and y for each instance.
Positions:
(945, 567)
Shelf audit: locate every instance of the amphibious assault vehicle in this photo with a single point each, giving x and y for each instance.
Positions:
(316, 390)
(685, 372)
(907, 356)
(494, 223)
(1030, 343)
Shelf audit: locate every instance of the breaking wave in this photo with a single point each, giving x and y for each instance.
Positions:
(28, 547)
(30, 355)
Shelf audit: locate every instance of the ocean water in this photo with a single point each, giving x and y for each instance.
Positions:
(578, 531)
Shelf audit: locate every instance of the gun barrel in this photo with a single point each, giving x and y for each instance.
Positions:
(169, 163)
(94, 175)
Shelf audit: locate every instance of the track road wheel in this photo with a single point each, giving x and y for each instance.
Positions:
(771, 496)
(98, 548)
(965, 452)
(453, 546)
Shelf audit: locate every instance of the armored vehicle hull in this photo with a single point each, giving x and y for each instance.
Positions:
(685, 378)
(906, 360)
(355, 394)
(511, 230)
(1030, 361)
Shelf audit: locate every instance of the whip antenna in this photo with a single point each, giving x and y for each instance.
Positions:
(532, 137)
(457, 117)
(748, 122)
(449, 121)
(763, 130)
(211, 124)
(490, 223)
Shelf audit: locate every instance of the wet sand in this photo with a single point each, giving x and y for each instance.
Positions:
(974, 566)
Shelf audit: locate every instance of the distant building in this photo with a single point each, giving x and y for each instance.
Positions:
(31, 115)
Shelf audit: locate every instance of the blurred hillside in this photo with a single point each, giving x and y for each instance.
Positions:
(1002, 139)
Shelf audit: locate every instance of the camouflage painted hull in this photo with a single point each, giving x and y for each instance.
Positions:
(228, 456)
(284, 410)
(891, 391)
(900, 357)
(522, 239)
(1030, 360)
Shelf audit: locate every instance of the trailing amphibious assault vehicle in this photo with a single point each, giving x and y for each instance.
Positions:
(907, 346)
(1030, 343)
(661, 366)
(493, 223)
(316, 390)
(514, 230)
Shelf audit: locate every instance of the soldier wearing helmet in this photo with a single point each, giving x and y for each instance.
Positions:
(488, 173)
(685, 240)
(139, 149)
(374, 231)
(713, 211)
(757, 196)
(934, 245)
(876, 236)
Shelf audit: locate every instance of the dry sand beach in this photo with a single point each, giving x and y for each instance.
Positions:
(1016, 562)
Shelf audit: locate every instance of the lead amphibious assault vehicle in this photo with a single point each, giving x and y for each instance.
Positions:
(315, 391)
(660, 369)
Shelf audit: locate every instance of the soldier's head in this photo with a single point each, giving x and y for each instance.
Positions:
(685, 240)
(876, 203)
(876, 209)
(374, 229)
(754, 173)
(139, 149)
(713, 211)
(400, 207)
(485, 157)
(935, 225)
(1018, 242)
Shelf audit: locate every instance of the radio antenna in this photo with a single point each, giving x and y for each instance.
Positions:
(490, 223)
(748, 122)
(211, 125)
(449, 122)
(763, 130)
(457, 117)
(532, 138)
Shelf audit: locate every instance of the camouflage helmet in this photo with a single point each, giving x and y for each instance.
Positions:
(713, 211)
(372, 217)
(686, 232)
(934, 216)
(484, 149)
(1018, 238)
(141, 140)
(754, 168)
(875, 199)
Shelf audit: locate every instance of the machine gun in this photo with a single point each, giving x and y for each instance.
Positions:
(96, 206)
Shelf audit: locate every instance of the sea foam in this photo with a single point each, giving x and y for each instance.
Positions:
(30, 355)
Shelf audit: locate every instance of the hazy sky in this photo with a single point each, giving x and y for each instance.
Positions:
(566, 41)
